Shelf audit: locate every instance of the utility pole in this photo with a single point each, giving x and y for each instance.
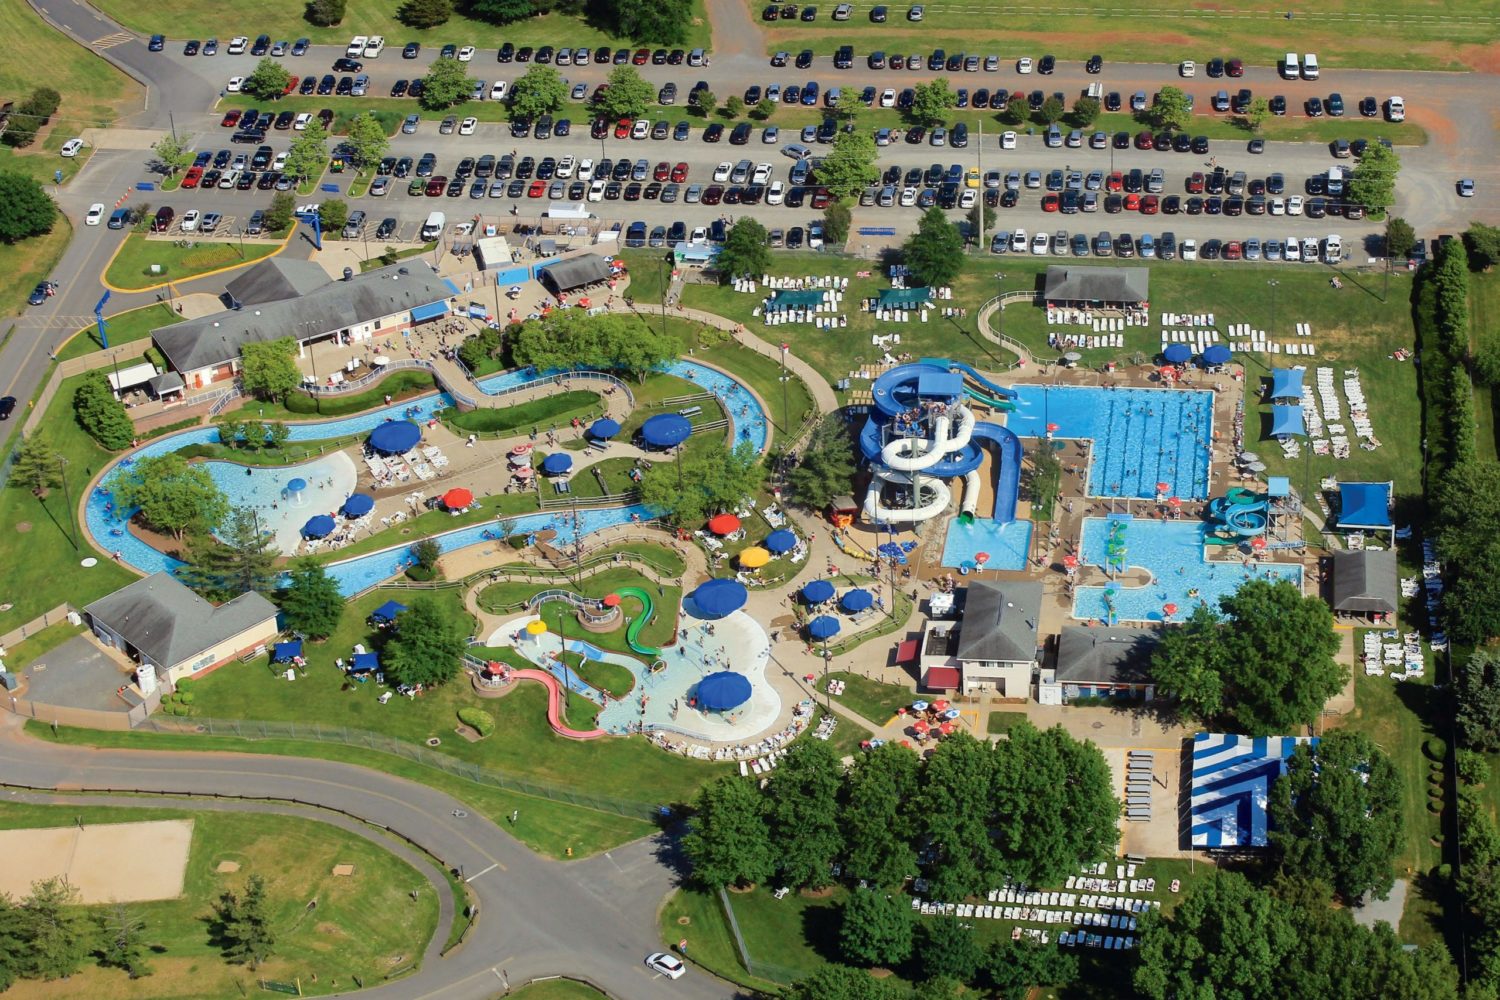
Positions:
(784, 411)
(979, 204)
(62, 472)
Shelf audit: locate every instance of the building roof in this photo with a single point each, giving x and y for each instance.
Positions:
(334, 305)
(1364, 582)
(1111, 655)
(274, 279)
(166, 382)
(170, 624)
(1097, 284)
(1000, 622)
(575, 272)
(940, 679)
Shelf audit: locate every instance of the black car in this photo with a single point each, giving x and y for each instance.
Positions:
(520, 129)
(1182, 143)
(714, 132)
(1215, 68)
(1112, 101)
(804, 59)
(1046, 66)
(1200, 144)
(1278, 105)
(1121, 140)
(346, 65)
(1315, 107)
(191, 48)
(1369, 107)
(262, 45)
(1094, 65)
(740, 135)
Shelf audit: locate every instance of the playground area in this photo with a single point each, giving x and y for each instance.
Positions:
(106, 863)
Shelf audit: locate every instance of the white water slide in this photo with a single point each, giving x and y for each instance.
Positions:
(916, 454)
(933, 497)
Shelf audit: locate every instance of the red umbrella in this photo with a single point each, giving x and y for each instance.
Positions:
(982, 558)
(1258, 542)
(585, 302)
(921, 725)
(947, 728)
(724, 524)
(1070, 561)
(1163, 487)
(901, 711)
(457, 497)
(906, 743)
(611, 600)
(1174, 502)
(1052, 428)
(941, 705)
(1169, 609)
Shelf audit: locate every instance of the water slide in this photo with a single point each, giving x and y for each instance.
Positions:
(919, 454)
(554, 706)
(1008, 482)
(648, 611)
(934, 497)
(1241, 513)
(997, 397)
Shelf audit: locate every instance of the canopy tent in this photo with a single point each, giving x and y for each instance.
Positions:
(358, 505)
(1216, 354)
(285, 652)
(722, 691)
(817, 591)
(1286, 383)
(1278, 486)
(856, 600)
(724, 524)
(718, 598)
(1365, 505)
(779, 541)
(823, 627)
(1287, 420)
(794, 298)
(1232, 777)
(604, 428)
(396, 437)
(363, 663)
(1177, 354)
(557, 463)
(666, 430)
(320, 526)
(457, 498)
(903, 298)
(388, 611)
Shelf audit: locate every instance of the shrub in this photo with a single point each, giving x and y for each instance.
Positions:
(517, 542)
(1435, 748)
(1434, 805)
(477, 719)
(1473, 769)
(185, 697)
(185, 685)
(421, 574)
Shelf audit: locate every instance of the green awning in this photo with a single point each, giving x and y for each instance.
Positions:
(904, 298)
(790, 298)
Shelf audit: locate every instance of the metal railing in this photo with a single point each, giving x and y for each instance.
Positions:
(992, 306)
(564, 500)
(582, 374)
(364, 380)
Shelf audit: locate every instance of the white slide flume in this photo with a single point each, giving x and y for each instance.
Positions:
(916, 454)
(971, 493)
(933, 497)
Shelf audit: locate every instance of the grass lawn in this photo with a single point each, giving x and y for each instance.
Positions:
(38, 644)
(366, 924)
(399, 385)
(1002, 722)
(131, 267)
(661, 630)
(607, 478)
(695, 915)
(558, 989)
(501, 420)
(789, 409)
(875, 700)
(29, 262)
(93, 91)
(126, 329)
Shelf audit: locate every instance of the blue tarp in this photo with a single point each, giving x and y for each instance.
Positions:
(722, 691)
(1286, 383)
(666, 430)
(320, 526)
(1177, 354)
(718, 598)
(286, 651)
(856, 600)
(823, 627)
(604, 428)
(817, 591)
(430, 311)
(557, 463)
(363, 663)
(1365, 505)
(1286, 420)
(388, 611)
(779, 541)
(359, 504)
(395, 437)
(1217, 354)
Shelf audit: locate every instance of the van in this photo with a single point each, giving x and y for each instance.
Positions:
(1096, 91)
(1221, 100)
(374, 46)
(697, 58)
(741, 172)
(434, 226)
(1310, 66)
(354, 225)
(1290, 68)
(356, 47)
(118, 218)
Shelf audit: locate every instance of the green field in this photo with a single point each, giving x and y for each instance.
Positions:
(29, 262)
(366, 924)
(875, 700)
(552, 409)
(130, 268)
(131, 328)
(558, 989)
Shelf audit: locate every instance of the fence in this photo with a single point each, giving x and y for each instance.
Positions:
(761, 970)
(993, 306)
(86, 718)
(587, 567)
(347, 387)
(52, 617)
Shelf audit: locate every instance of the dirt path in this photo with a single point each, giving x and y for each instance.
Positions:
(735, 31)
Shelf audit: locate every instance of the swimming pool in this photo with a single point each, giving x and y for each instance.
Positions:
(1141, 436)
(1007, 545)
(330, 479)
(1174, 554)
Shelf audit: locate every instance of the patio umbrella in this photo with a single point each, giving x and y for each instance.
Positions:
(380, 361)
(817, 591)
(395, 437)
(754, 557)
(358, 505)
(856, 600)
(1169, 610)
(1174, 501)
(1249, 456)
(611, 600)
(921, 725)
(318, 527)
(1072, 356)
(457, 498)
(980, 558)
(1177, 354)
(722, 691)
(823, 627)
(524, 472)
(941, 705)
(724, 524)
(1216, 354)
(1052, 428)
(1258, 542)
(604, 428)
(557, 463)
(1163, 487)
(536, 627)
(947, 728)
(780, 541)
(520, 460)
(1256, 466)
(521, 449)
(952, 713)
(1070, 561)
(920, 706)
(665, 430)
(718, 598)
(388, 611)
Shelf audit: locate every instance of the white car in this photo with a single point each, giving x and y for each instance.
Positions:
(238, 44)
(234, 84)
(1007, 140)
(762, 174)
(1018, 241)
(498, 90)
(596, 191)
(967, 198)
(1276, 206)
(700, 235)
(585, 169)
(641, 129)
(1040, 244)
(468, 125)
(1466, 188)
(96, 212)
(723, 170)
(666, 965)
(1188, 250)
(1294, 205)
(1023, 64)
(908, 197)
(300, 122)
(1293, 251)
(72, 147)
(776, 193)
(565, 166)
(888, 97)
(190, 220)
(466, 53)
(279, 164)
(1188, 69)
(1395, 109)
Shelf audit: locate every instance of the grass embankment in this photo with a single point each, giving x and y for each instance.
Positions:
(130, 329)
(399, 385)
(545, 411)
(131, 267)
(660, 631)
(874, 700)
(28, 262)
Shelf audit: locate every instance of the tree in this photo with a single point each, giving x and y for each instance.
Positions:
(825, 469)
(840, 982)
(276, 434)
(242, 925)
(244, 560)
(746, 250)
(447, 83)
(325, 13)
(1172, 109)
(1051, 111)
(173, 154)
(25, 209)
(268, 368)
(101, 414)
(982, 217)
(311, 603)
(1466, 507)
(1015, 112)
(499, 11)
(879, 828)
(711, 482)
(12, 942)
(734, 107)
(279, 214)
(765, 109)
(28, 117)
(802, 814)
(1482, 242)
(306, 157)
(955, 815)
(728, 841)
(172, 495)
(1017, 966)
(333, 214)
(422, 14)
(122, 944)
(427, 647)
(541, 90)
(53, 926)
(571, 338)
(1086, 111)
(931, 102)
(38, 467)
(1400, 237)
(1273, 660)
(1476, 692)
(947, 947)
(836, 221)
(935, 252)
(849, 106)
(876, 928)
(1256, 114)
(629, 95)
(703, 101)
(662, 21)
(426, 553)
(1373, 182)
(1054, 804)
(850, 166)
(366, 142)
(268, 80)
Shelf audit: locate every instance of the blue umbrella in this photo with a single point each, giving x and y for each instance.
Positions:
(1217, 354)
(856, 600)
(396, 437)
(1177, 353)
(666, 430)
(823, 627)
(722, 691)
(359, 504)
(604, 428)
(388, 611)
(318, 527)
(718, 598)
(296, 485)
(287, 651)
(780, 541)
(817, 591)
(557, 463)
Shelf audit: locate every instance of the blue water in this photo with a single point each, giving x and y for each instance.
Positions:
(1174, 553)
(1141, 436)
(747, 420)
(281, 512)
(1007, 544)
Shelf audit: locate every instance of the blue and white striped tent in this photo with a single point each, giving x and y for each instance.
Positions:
(1232, 778)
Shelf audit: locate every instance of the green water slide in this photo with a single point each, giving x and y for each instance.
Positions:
(648, 611)
(999, 405)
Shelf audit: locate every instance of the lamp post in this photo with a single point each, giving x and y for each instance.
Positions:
(1273, 283)
(661, 280)
(784, 411)
(62, 473)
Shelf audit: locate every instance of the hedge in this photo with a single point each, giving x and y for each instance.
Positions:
(477, 719)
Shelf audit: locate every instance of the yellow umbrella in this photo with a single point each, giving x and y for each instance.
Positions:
(536, 628)
(754, 557)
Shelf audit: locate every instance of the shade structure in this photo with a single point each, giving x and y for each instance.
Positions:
(666, 430)
(941, 705)
(388, 611)
(318, 527)
(718, 598)
(520, 461)
(536, 628)
(856, 600)
(524, 472)
(1177, 353)
(285, 652)
(724, 524)
(557, 463)
(296, 485)
(817, 591)
(457, 498)
(363, 663)
(1287, 420)
(1216, 354)
(947, 728)
(754, 557)
(779, 541)
(722, 691)
(1365, 505)
(395, 437)
(604, 428)
(823, 627)
(358, 505)
(1286, 383)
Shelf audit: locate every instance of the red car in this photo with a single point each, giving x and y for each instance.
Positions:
(662, 172)
(641, 57)
(231, 118)
(1050, 202)
(537, 189)
(436, 185)
(1145, 140)
(1233, 251)
(291, 85)
(820, 199)
(1195, 182)
(622, 128)
(192, 177)
(1132, 203)
(1150, 205)
(1234, 67)
(1115, 181)
(680, 173)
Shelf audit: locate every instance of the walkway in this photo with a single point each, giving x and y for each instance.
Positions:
(735, 32)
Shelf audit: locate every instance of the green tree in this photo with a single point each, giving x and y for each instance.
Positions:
(879, 827)
(1172, 110)
(25, 209)
(849, 106)
(1373, 182)
(803, 816)
(101, 414)
(1476, 693)
(541, 90)
(123, 945)
(332, 215)
(850, 166)
(931, 102)
(1400, 237)
(765, 109)
(173, 154)
(499, 11)
(1256, 114)
(629, 95)
(446, 84)
(955, 815)
(325, 13)
(276, 434)
(840, 982)
(1086, 111)
(427, 647)
(28, 117)
(747, 250)
(1015, 967)
(982, 217)
(241, 560)
(1015, 112)
(268, 80)
(940, 988)
(268, 368)
(311, 603)
(12, 942)
(836, 221)
(734, 107)
(728, 840)
(426, 553)
(55, 931)
(279, 214)
(1465, 509)
(366, 141)
(711, 482)
(570, 338)
(38, 467)
(703, 101)
(173, 496)
(935, 252)
(1051, 111)
(422, 14)
(1481, 241)
(1054, 804)
(306, 157)
(946, 947)
(242, 924)
(876, 928)
(825, 469)
(662, 21)
(1190, 666)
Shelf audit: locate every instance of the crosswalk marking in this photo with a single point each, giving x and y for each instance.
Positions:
(110, 41)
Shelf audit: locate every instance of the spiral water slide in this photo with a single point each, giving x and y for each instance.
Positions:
(932, 497)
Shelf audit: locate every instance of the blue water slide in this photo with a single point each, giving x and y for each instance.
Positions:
(1008, 484)
(896, 390)
(991, 387)
(958, 463)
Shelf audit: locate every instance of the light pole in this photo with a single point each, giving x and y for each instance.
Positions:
(661, 280)
(62, 473)
(784, 411)
(1273, 283)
